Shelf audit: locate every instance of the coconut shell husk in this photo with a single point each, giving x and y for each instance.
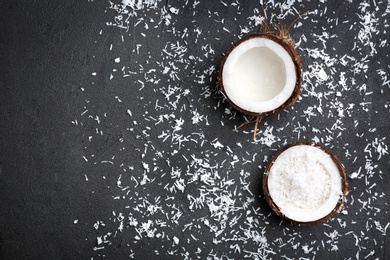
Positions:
(283, 39)
(340, 204)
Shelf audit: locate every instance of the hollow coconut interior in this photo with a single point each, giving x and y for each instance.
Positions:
(305, 183)
(259, 75)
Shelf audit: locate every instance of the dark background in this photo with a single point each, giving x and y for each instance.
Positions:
(67, 137)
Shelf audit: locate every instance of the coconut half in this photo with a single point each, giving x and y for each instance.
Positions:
(261, 74)
(305, 183)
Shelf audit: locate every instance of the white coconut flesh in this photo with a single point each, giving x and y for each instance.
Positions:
(259, 75)
(305, 183)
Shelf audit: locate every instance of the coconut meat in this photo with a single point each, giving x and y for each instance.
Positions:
(305, 183)
(259, 75)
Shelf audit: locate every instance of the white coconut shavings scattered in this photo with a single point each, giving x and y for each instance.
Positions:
(178, 184)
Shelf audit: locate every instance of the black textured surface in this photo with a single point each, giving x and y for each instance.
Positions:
(48, 50)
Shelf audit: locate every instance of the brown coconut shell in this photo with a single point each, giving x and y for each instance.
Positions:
(340, 204)
(282, 38)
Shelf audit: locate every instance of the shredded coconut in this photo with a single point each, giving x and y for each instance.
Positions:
(152, 142)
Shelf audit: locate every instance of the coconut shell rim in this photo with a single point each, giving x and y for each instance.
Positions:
(344, 184)
(288, 44)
